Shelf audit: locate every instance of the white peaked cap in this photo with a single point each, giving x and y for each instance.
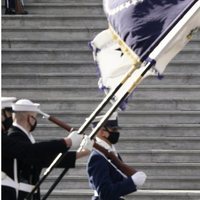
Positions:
(112, 122)
(6, 102)
(26, 105)
(112, 117)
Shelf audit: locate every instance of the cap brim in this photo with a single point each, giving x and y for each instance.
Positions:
(114, 127)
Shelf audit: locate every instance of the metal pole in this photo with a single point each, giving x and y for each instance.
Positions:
(55, 183)
(119, 101)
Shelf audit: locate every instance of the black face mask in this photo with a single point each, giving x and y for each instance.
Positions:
(34, 125)
(113, 136)
(7, 123)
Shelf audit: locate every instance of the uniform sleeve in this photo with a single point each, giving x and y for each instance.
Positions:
(42, 153)
(98, 170)
(46, 152)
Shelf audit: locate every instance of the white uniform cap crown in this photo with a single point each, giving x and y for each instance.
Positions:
(6, 102)
(112, 117)
(112, 122)
(26, 105)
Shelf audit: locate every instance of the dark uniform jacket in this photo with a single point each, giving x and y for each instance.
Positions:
(30, 162)
(104, 178)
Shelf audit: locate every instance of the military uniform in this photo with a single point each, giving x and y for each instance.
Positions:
(22, 160)
(105, 179)
(26, 169)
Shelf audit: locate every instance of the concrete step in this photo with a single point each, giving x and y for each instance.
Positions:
(163, 104)
(141, 117)
(73, 54)
(75, 2)
(136, 117)
(61, 33)
(191, 54)
(51, 130)
(48, 66)
(78, 104)
(153, 182)
(183, 66)
(54, 43)
(46, 38)
(147, 156)
(151, 169)
(157, 143)
(143, 91)
(173, 143)
(82, 194)
(65, 7)
(83, 78)
(71, 34)
(46, 54)
(50, 79)
(51, 92)
(70, 2)
(161, 130)
(88, 21)
(160, 156)
(179, 66)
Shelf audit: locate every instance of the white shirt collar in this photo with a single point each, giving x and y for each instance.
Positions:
(106, 145)
(29, 135)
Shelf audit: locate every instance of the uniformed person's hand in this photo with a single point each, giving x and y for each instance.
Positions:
(139, 178)
(75, 138)
(87, 143)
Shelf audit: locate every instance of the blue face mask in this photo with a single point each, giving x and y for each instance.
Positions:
(113, 137)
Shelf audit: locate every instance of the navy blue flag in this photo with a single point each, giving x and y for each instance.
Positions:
(140, 22)
(141, 31)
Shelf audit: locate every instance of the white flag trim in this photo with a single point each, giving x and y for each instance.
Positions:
(177, 38)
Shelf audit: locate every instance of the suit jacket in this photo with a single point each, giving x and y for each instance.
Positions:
(31, 162)
(106, 180)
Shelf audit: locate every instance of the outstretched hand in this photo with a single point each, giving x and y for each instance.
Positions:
(75, 138)
(87, 143)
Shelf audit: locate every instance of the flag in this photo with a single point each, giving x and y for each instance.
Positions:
(142, 31)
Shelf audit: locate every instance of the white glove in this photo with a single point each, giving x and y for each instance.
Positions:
(75, 138)
(87, 143)
(139, 178)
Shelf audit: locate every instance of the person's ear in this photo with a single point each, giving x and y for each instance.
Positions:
(104, 133)
(30, 119)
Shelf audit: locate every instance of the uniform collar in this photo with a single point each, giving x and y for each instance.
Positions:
(106, 145)
(29, 135)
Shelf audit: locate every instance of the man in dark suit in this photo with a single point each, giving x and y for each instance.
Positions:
(19, 175)
(107, 181)
(13, 7)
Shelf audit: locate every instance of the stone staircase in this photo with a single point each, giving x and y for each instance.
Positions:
(45, 58)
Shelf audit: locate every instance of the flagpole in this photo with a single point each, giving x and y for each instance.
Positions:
(55, 183)
(156, 48)
(120, 100)
(105, 101)
(57, 159)
(142, 59)
(55, 162)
